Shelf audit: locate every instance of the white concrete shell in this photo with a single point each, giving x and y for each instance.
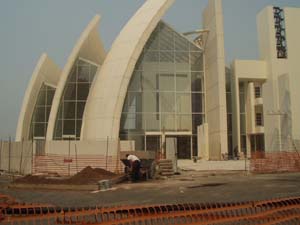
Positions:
(105, 102)
(89, 46)
(45, 72)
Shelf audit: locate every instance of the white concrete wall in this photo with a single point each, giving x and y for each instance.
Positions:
(104, 147)
(280, 70)
(292, 18)
(107, 95)
(45, 72)
(203, 141)
(250, 69)
(215, 80)
(16, 157)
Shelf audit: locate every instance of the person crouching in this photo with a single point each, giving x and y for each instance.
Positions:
(135, 166)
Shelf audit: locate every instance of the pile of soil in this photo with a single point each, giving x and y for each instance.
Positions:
(86, 176)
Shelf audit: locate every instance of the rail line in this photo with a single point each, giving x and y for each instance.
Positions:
(275, 211)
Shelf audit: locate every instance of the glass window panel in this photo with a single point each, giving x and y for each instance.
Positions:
(196, 61)
(153, 41)
(39, 130)
(242, 123)
(123, 128)
(151, 122)
(197, 121)
(150, 102)
(243, 143)
(80, 109)
(166, 61)
(181, 44)
(69, 110)
(166, 82)
(40, 113)
(241, 87)
(70, 91)
(229, 123)
(228, 102)
(48, 109)
(50, 95)
(136, 82)
(182, 61)
(58, 129)
(135, 102)
(183, 82)
(151, 57)
(125, 106)
(129, 121)
(166, 37)
(197, 103)
(93, 71)
(41, 100)
(83, 74)
(183, 103)
(69, 127)
(167, 101)
(197, 84)
(184, 122)
(149, 81)
(82, 91)
(78, 127)
(194, 48)
(242, 102)
(60, 113)
(73, 75)
(168, 122)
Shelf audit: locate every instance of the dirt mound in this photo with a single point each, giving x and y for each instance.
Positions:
(90, 175)
(86, 176)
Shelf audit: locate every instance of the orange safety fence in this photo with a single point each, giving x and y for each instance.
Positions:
(270, 162)
(70, 165)
(274, 211)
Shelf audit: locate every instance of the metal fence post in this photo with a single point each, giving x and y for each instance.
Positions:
(32, 157)
(9, 153)
(106, 153)
(76, 158)
(1, 153)
(21, 158)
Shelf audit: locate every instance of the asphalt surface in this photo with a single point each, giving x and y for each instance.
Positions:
(189, 187)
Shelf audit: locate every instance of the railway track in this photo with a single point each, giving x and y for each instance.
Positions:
(275, 211)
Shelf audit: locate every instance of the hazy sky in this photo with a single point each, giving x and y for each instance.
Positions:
(29, 28)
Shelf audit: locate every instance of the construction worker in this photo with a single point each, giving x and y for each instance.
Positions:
(135, 165)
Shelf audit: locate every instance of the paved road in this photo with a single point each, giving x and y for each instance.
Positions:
(190, 187)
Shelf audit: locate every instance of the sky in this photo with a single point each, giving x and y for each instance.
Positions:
(29, 28)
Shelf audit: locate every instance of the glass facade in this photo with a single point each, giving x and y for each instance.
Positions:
(69, 117)
(166, 91)
(39, 121)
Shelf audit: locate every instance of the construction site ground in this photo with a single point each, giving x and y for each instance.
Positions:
(188, 187)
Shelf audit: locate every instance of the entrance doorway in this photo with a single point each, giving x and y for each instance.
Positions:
(182, 143)
(184, 147)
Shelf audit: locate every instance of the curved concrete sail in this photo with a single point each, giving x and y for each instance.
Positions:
(106, 98)
(88, 47)
(45, 72)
